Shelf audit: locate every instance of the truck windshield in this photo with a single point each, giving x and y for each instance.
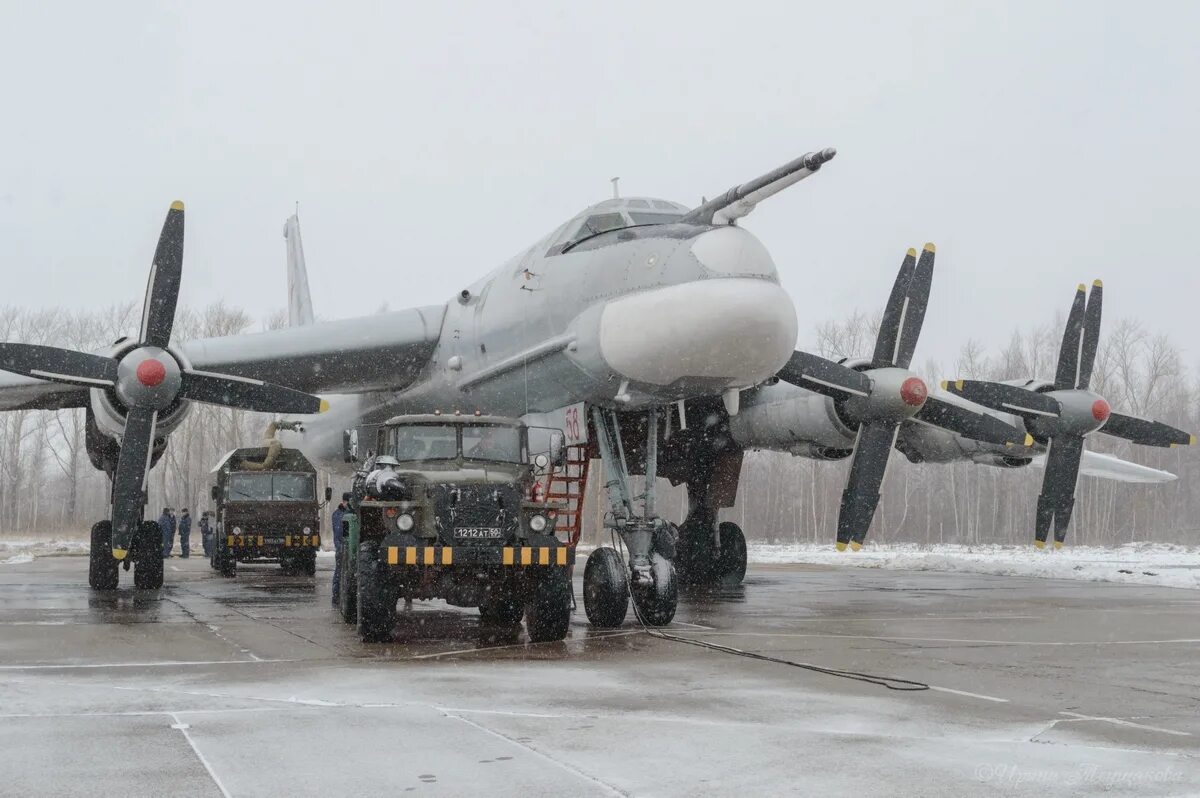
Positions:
(270, 487)
(502, 444)
(424, 442)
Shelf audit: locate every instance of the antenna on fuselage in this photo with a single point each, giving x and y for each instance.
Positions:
(616, 190)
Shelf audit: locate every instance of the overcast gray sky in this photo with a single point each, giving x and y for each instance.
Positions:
(1039, 145)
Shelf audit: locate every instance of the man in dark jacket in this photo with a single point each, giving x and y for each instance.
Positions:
(185, 532)
(206, 532)
(166, 524)
(338, 543)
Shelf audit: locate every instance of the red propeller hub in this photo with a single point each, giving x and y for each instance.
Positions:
(151, 373)
(1100, 410)
(914, 392)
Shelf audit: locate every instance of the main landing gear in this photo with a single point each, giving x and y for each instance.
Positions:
(648, 578)
(145, 554)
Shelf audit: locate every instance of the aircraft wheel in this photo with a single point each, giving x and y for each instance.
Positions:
(656, 603)
(731, 565)
(605, 588)
(376, 598)
(103, 573)
(501, 609)
(548, 612)
(148, 570)
(347, 588)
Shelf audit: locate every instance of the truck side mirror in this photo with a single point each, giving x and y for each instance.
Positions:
(215, 492)
(328, 493)
(350, 445)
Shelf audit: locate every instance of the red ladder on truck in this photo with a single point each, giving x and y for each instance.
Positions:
(570, 486)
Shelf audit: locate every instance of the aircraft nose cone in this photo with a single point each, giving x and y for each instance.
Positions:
(151, 373)
(914, 392)
(720, 333)
(1100, 410)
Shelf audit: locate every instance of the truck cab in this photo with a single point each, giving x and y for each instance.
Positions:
(267, 510)
(453, 507)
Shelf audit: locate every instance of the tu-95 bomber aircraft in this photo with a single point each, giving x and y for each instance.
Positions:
(656, 334)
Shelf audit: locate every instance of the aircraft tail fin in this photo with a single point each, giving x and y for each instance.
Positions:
(1107, 466)
(300, 308)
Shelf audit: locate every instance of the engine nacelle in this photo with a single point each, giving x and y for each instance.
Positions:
(106, 420)
(1000, 461)
(786, 418)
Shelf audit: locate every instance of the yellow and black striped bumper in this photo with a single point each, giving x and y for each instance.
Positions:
(259, 541)
(507, 556)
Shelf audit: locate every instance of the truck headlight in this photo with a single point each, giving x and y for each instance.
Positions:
(405, 522)
(237, 530)
(538, 523)
(307, 530)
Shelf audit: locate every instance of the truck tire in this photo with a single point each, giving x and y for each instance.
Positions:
(548, 611)
(376, 598)
(501, 609)
(225, 561)
(103, 573)
(308, 563)
(605, 588)
(148, 570)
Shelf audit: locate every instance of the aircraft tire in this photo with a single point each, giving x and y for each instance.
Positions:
(148, 570)
(548, 611)
(656, 604)
(605, 589)
(731, 564)
(103, 573)
(376, 598)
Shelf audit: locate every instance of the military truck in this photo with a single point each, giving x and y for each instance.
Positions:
(454, 507)
(267, 508)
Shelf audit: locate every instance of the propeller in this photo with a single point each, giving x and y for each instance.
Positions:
(879, 399)
(148, 379)
(1063, 416)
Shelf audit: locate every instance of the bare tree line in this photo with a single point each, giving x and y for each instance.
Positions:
(47, 484)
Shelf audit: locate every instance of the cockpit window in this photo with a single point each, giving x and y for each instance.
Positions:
(648, 217)
(600, 223)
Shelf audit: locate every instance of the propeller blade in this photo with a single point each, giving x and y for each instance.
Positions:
(824, 376)
(969, 424)
(1005, 398)
(893, 314)
(1057, 498)
(247, 394)
(1091, 335)
(162, 290)
(914, 314)
(859, 499)
(129, 481)
(1068, 356)
(58, 365)
(1144, 432)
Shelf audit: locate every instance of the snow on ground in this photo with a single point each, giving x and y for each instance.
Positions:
(1158, 564)
(17, 551)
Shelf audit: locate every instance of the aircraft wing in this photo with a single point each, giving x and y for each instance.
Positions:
(1107, 466)
(26, 393)
(387, 351)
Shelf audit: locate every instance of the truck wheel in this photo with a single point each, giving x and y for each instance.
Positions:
(148, 570)
(605, 589)
(656, 603)
(731, 566)
(347, 588)
(376, 599)
(307, 563)
(501, 609)
(102, 566)
(548, 613)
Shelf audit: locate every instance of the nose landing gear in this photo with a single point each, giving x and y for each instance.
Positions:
(649, 576)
